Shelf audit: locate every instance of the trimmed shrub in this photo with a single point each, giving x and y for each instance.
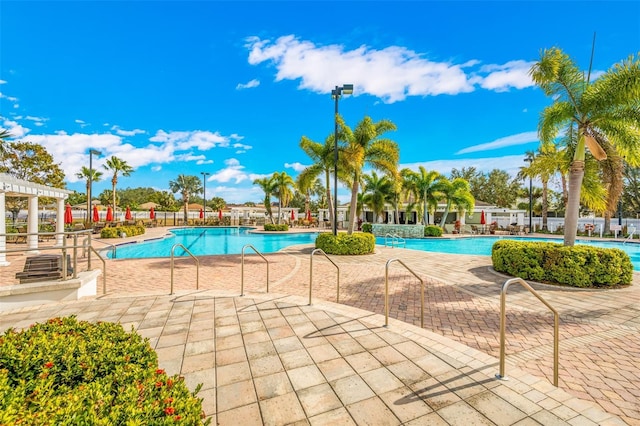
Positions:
(577, 266)
(66, 371)
(367, 227)
(358, 243)
(276, 227)
(112, 232)
(432, 231)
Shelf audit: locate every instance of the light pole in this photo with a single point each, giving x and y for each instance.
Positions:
(529, 160)
(204, 194)
(92, 152)
(347, 89)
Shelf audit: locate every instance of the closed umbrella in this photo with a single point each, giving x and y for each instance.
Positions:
(127, 214)
(152, 213)
(201, 214)
(309, 215)
(68, 215)
(109, 214)
(96, 215)
(220, 214)
(293, 215)
(483, 220)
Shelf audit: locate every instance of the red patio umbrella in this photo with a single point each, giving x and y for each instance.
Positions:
(68, 215)
(127, 214)
(483, 221)
(220, 214)
(96, 215)
(309, 215)
(109, 214)
(293, 215)
(201, 214)
(152, 213)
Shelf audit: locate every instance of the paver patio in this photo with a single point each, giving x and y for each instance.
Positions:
(270, 357)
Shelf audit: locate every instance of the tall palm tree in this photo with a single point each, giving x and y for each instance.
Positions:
(90, 175)
(377, 190)
(283, 185)
(4, 135)
(308, 186)
(366, 146)
(268, 186)
(323, 157)
(456, 193)
(604, 112)
(427, 186)
(117, 166)
(187, 186)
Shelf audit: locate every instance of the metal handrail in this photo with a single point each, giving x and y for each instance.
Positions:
(197, 265)
(395, 238)
(113, 247)
(630, 236)
(503, 323)
(104, 269)
(311, 274)
(242, 267)
(386, 291)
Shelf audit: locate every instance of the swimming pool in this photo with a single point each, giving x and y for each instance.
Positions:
(482, 245)
(209, 241)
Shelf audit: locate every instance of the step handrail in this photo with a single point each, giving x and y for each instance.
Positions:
(320, 251)
(104, 268)
(503, 324)
(386, 291)
(197, 265)
(242, 267)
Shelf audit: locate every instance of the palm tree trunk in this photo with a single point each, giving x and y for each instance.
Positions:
(607, 222)
(354, 203)
(576, 174)
(329, 198)
(545, 205)
(114, 182)
(445, 214)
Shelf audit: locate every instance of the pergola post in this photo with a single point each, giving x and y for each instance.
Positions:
(32, 223)
(59, 221)
(3, 230)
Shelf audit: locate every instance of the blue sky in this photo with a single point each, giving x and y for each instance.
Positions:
(229, 88)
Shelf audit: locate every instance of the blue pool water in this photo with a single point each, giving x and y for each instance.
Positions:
(207, 241)
(482, 245)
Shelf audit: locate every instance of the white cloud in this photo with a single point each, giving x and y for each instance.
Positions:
(249, 85)
(80, 122)
(123, 132)
(3, 82)
(202, 140)
(233, 171)
(513, 74)
(9, 98)
(16, 130)
(513, 140)
(233, 195)
(392, 73)
(200, 162)
(298, 167)
(242, 146)
(156, 168)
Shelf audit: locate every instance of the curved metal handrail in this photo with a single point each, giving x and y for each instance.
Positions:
(386, 291)
(311, 273)
(242, 267)
(104, 269)
(503, 324)
(395, 239)
(197, 265)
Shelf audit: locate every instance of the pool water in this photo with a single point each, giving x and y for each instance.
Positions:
(210, 241)
(482, 245)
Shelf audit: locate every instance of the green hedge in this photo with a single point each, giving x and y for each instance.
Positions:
(577, 266)
(432, 231)
(367, 227)
(276, 227)
(66, 372)
(118, 230)
(358, 243)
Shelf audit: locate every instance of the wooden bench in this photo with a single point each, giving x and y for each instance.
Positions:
(44, 267)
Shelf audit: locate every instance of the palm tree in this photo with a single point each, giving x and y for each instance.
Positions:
(308, 185)
(365, 146)
(268, 186)
(116, 166)
(282, 187)
(603, 113)
(427, 186)
(187, 186)
(323, 157)
(90, 175)
(456, 193)
(377, 191)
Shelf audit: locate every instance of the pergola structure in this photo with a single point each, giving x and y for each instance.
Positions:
(13, 187)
